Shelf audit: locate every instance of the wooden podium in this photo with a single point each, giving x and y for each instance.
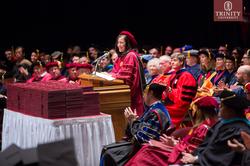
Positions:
(114, 97)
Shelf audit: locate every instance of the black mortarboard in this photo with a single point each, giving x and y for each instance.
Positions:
(157, 89)
(230, 57)
(220, 55)
(231, 100)
(206, 52)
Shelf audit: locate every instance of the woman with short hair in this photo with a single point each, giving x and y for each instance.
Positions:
(153, 68)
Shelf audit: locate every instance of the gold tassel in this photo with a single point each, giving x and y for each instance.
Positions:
(188, 54)
(87, 54)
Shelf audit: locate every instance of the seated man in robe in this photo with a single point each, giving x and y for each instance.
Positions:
(169, 150)
(72, 73)
(154, 121)
(165, 68)
(54, 73)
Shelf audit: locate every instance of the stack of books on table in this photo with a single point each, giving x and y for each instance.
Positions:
(52, 99)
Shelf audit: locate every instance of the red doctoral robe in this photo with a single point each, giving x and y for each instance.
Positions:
(127, 68)
(183, 89)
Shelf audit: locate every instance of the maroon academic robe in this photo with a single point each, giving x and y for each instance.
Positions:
(34, 78)
(48, 77)
(165, 155)
(127, 68)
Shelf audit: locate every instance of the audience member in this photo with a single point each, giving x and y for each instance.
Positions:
(155, 52)
(192, 62)
(169, 149)
(214, 149)
(150, 125)
(153, 70)
(182, 90)
(168, 50)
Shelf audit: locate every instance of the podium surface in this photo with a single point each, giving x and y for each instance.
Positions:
(114, 97)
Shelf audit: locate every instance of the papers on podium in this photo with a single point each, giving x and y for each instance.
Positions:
(105, 76)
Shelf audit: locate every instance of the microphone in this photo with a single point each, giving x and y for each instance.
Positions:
(96, 62)
(99, 58)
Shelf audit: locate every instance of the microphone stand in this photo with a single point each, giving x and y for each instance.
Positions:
(97, 61)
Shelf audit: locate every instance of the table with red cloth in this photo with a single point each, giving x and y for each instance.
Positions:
(90, 133)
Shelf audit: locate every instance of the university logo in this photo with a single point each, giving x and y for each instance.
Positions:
(228, 10)
(228, 6)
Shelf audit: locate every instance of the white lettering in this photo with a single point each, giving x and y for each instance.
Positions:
(227, 15)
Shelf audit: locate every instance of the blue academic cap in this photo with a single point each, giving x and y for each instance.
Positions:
(146, 57)
(186, 48)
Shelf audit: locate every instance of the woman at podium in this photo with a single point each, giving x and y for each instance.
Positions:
(128, 68)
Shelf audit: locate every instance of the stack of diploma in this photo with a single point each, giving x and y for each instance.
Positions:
(52, 99)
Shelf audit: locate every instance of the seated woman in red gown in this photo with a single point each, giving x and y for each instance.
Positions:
(128, 67)
(169, 150)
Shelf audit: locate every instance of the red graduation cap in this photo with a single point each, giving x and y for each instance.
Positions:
(131, 38)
